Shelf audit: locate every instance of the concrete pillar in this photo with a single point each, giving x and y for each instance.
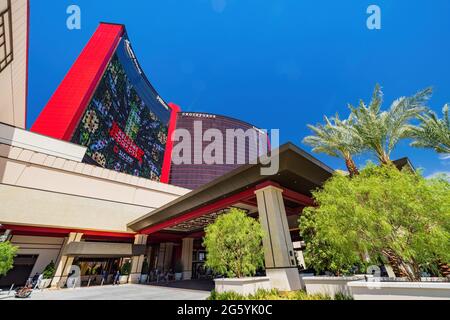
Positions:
(281, 264)
(65, 262)
(186, 257)
(165, 256)
(137, 261)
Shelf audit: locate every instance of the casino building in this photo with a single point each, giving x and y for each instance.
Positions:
(92, 186)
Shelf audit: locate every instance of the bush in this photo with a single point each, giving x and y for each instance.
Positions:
(302, 295)
(383, 214)
(234, 245)
(7, 254)
(226, 296)
(343, 296)
(267, 295)
(49, 270)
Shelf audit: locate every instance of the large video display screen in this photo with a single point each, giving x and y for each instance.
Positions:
(125, 126)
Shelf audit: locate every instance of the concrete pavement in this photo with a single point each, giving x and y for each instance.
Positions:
(122, 292)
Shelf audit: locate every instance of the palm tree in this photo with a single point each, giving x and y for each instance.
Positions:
(337, 139)
(380, 131)
(433, 132)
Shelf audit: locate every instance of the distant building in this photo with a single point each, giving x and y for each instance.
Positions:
(193, 175)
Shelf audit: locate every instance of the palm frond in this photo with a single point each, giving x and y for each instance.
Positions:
(379, 130)
(335, 137)
(433, 133)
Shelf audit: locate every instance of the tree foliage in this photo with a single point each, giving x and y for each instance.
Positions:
(433, 132)
(49, 270)
(336, 138)
(381, 213)
(7, 254)
(234, 245)
(370, 129)
(380, 131)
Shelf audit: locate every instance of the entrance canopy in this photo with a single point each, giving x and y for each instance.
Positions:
(299, 173)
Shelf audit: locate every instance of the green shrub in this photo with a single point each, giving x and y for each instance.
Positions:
(343, 296)
(267, 295)
(302, 295)
(387, 215)
(49, 270)
(7, 254)
(234, 245)
(225, 296)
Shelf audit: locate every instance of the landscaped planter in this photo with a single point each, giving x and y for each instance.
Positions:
(329, 286)
(304, 275)
(362, 290)
(243, 286)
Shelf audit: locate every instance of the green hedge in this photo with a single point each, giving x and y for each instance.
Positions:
(269, 295)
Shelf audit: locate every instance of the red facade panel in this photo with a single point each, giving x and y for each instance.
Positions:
(65, 108)
(167, 165)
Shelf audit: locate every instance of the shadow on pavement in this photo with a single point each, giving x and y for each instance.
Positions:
(199, 285)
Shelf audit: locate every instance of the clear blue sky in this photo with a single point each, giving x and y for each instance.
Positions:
(276, 64)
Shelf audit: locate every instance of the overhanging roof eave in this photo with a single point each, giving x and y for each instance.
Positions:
(235, 181)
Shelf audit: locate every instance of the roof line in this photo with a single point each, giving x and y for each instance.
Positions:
(283, 148)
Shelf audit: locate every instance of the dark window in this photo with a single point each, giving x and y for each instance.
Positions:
(6, 40)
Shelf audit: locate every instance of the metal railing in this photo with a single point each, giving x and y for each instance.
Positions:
(6, 37)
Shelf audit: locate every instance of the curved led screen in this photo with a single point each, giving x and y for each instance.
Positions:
(125, 126)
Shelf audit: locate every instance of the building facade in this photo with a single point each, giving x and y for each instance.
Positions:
(193, 175)
(92, 187)
(13, 61)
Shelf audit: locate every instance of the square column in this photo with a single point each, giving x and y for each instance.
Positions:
(137, 261)
(65, 262)
(281, 264)
(186, 257)
(165, 256)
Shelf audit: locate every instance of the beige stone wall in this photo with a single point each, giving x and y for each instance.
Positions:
(43, 190)
(11, 137)
(49, 209)
(13, 80)
(46, 248)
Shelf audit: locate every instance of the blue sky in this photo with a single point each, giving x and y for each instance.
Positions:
(276, 64)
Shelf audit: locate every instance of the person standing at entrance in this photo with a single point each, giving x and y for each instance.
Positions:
(116, 278)
(104, 277)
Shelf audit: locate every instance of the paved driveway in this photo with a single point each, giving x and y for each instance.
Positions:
(123, 292)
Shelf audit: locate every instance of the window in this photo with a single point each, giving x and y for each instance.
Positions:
(6, 41)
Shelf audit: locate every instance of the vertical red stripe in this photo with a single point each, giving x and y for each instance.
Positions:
(64, 110)
(167, 164)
